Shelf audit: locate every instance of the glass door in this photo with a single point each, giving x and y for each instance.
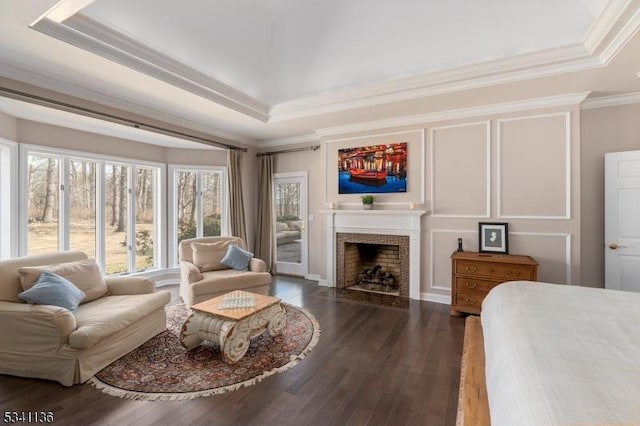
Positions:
(290, 227)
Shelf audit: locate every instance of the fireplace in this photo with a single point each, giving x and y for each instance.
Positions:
(373, 262)
(399, 228)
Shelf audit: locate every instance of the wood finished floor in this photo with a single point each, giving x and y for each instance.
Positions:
(373, 365)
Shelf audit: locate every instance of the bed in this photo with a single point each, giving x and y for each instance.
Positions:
(553, 355)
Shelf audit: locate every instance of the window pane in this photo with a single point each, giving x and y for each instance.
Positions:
(186, 193)
(145, 218)
(116, 209)
(82, 208)
(211, 203)
(44, 196)
(287, 206)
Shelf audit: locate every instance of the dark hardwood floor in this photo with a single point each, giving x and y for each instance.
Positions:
(373, 365)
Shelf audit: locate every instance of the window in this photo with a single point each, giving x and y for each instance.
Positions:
(8, 198)
(107, 208)
(198, 201)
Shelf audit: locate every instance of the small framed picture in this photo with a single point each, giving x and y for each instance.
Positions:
(494, 237)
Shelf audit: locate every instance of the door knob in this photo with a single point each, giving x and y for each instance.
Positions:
(614, 246)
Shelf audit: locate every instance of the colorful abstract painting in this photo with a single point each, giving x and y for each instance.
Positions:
(373, 169)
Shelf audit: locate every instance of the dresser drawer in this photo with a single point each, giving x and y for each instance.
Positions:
(507, 272)
(465, 299)
(467, 284)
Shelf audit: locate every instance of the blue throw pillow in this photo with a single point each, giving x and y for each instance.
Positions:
(52, 289)
(237, 258)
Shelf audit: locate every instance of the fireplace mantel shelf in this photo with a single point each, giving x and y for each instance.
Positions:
(376, 212)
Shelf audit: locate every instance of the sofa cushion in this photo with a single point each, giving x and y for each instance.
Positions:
(110, 314)
(237, 258)
(281, 226)
(52, 289)
(228, 280)
(84, 274)
(208, 256)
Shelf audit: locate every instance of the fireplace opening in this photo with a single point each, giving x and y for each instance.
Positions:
(372, 267)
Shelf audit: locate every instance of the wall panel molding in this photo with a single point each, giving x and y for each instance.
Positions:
(568, 168)
(432, 164)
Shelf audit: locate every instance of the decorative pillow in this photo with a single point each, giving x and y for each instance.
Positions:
(237, 258)
(84, 274)
(52, 289)
(208, 256)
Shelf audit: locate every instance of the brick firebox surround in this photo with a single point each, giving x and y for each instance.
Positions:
(402, 241)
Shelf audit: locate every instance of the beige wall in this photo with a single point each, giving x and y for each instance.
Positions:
(8, 127)
(603, 130)
(470, 171)
(30, 132)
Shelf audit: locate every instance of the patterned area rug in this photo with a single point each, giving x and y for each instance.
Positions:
(162, 369)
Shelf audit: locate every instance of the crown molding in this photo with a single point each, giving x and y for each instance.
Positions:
(454, 114)
(290, 140)
(517, 68)
(609, 101)
(604, 24)
(55, 84)
(622, 16)
(92, 36)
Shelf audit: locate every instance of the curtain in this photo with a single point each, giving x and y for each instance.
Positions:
(264, 233)
(236, 205)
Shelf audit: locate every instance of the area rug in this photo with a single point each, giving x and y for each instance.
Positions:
(162, 369)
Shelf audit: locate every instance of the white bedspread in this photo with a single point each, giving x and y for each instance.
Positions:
(562, 355)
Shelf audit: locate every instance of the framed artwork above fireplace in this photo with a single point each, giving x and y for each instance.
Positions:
(391, 165)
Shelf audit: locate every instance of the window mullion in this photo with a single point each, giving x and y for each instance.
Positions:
(63, 204)
(199, 206)
(131, 221)
(100, 215)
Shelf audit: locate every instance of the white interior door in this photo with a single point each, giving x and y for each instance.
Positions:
(290, 227)
(622, 220)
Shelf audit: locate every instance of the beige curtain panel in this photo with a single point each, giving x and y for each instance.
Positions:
(236, 204)
(264, 233)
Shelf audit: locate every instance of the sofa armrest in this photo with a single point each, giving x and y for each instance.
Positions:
(25, 327)
(257, 265)
(119, 285)
(189, 273)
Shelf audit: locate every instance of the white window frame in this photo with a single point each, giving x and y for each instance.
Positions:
(9, 200)
(173, 206)
(100, 160)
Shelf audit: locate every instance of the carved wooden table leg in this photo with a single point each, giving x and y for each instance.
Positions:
(233, 337)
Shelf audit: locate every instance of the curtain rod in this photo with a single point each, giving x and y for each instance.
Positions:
(39, 100)
(286, 151)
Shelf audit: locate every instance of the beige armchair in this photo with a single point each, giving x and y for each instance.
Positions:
(50, 342)
(199, 284)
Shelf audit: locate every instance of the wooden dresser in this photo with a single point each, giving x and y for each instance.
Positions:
(474, 274)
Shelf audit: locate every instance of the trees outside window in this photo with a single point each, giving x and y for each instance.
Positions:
(109, 210)
(199, 202)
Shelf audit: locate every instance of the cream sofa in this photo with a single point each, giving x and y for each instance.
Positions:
(197, 286)
(53, 343)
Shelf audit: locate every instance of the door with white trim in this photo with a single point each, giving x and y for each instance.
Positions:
(290, 223)
(622, 220)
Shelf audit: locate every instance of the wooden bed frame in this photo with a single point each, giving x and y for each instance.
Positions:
(473, 405)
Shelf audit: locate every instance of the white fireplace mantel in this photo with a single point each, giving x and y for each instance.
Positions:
(387, 222)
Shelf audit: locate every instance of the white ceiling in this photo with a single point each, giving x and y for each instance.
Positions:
(260, 70)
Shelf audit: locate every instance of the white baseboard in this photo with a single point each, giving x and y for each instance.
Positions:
(313, 277)
(436, 298)
(325, 283)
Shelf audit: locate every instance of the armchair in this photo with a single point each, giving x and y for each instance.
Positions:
(50, 342)
(198, 285)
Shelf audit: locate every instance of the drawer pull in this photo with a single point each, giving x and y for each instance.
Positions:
(511, 273)
(471, 268)
(469, 300)
(470, 285)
